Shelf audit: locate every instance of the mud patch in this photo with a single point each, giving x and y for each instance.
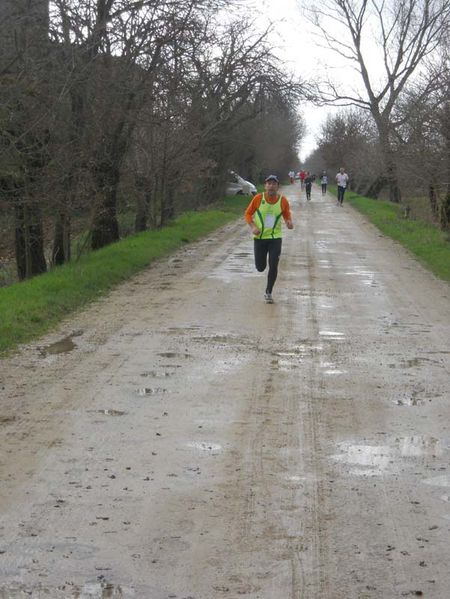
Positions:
(170, 354)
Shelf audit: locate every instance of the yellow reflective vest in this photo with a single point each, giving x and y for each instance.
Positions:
(268, 219)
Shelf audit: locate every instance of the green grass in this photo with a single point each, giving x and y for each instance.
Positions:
(425, 241)
(30, 308)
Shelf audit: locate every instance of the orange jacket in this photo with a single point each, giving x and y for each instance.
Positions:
(256, 202)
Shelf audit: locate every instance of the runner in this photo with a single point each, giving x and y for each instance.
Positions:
(342, 181)
(302, 175)
(263, 215)
(308, 184)
(324, 182)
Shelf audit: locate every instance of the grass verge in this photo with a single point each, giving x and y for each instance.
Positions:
(30, 308)
(426, 242)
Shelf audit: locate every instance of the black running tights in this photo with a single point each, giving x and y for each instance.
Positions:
(271, 247)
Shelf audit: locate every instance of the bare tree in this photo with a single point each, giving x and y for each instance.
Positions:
(117, 52)
(405, 33)
(348, 136)
(24, 121)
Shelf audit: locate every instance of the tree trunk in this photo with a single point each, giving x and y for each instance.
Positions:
(142, 204)
(168, 209)
(444, 216)
(445, 212)
(140, 221)
(105, 227)
(392, 178)
(390, 163)
(61, 243)
(375, 188)
(29, 241)
(433, 199)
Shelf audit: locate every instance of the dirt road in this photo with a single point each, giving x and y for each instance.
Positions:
(182, 439)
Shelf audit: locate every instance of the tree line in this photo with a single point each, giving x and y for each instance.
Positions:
(393, 130)
(140, 106)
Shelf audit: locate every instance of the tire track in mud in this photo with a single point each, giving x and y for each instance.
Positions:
(271, 501)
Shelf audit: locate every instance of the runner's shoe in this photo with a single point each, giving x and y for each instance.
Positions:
(268, 298)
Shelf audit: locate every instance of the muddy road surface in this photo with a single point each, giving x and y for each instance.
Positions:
(182, 439)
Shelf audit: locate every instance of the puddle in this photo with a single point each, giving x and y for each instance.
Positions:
(415, 362)
(367, 460)
(59, 347)
(409, 401)
(438, 481)
(375, 460)
(336, 335)
(286, 365)
(144, 391)
(178, 330)
(417, 446)
(170, 354)
(156, 375)
(290, 359)
(225, 366)
(94, 590)
(331, 369)
(305, 292)
(204, 446)
(239, 264)
(295, 478)
(220, 338)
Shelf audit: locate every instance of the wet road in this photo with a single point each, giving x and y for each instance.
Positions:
(181, 439)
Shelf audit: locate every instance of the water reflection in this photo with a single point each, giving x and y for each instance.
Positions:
(59, 347)
(375, 460)
(366, 460)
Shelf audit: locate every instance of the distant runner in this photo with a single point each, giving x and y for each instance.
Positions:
(263, 215)
(324, 182)
(302, 175)
(308, 184)
(342, 181)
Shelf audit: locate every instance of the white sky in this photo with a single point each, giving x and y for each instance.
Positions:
(299, 48)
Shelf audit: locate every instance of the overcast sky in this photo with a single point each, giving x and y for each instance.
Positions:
(301, 51)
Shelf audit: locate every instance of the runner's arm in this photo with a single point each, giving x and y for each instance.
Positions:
(251, 209)
(286, 211)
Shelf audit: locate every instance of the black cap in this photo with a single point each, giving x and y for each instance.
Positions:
(271, 178)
